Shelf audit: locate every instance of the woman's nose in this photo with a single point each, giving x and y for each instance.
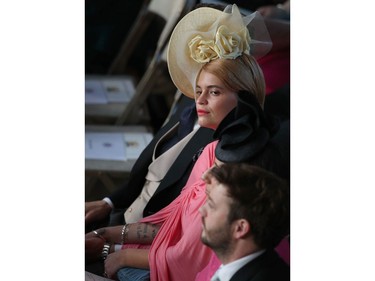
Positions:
(201, 99)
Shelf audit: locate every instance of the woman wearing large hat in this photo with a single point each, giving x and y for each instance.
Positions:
(212, 58)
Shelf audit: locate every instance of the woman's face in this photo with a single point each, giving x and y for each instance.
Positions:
(213, 100)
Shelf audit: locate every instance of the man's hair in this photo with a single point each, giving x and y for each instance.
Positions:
(260, 197)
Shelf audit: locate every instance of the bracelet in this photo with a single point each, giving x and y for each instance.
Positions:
(124, 233)
(105, 251)
(98, 235)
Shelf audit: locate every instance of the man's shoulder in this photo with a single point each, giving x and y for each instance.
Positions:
(267, 267)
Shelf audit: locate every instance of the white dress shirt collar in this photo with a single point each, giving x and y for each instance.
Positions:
(225, 272)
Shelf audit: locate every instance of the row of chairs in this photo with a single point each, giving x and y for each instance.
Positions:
(129, 115)
(130, 112)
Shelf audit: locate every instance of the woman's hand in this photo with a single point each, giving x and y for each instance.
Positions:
(114, 262)
(137, 258)
(93, 248)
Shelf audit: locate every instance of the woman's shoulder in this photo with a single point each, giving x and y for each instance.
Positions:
(209, 150)
(206, 157)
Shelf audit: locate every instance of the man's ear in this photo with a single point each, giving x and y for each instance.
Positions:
(242, 228)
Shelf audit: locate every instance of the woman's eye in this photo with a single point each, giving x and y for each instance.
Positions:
(214, 93)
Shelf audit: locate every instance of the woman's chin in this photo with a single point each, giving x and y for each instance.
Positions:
(204, 123)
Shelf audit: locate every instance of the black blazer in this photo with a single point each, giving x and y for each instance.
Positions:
(267, 267)
(175, 179)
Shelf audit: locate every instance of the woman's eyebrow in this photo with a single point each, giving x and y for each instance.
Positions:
(211, 86)
(215, 86)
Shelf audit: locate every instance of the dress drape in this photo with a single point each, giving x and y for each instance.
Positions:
(177, 253)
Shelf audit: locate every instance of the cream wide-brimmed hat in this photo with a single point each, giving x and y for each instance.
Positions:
(206, 34)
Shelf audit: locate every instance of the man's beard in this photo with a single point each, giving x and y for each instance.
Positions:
(218, 239)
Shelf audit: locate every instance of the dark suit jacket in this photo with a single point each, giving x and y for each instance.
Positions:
(175, 179)
(267, 267)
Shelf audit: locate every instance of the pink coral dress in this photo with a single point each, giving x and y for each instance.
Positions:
(177, 253)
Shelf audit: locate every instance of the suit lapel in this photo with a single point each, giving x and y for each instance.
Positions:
(139, 169)
(201, 138)
(257, 267)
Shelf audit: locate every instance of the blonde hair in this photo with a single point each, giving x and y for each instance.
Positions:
(242, 73)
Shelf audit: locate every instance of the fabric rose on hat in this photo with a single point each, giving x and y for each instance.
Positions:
(201, 50)
(230, 45)
(227, 45)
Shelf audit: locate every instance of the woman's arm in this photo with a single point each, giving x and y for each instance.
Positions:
(133, 233)
(136, 233)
